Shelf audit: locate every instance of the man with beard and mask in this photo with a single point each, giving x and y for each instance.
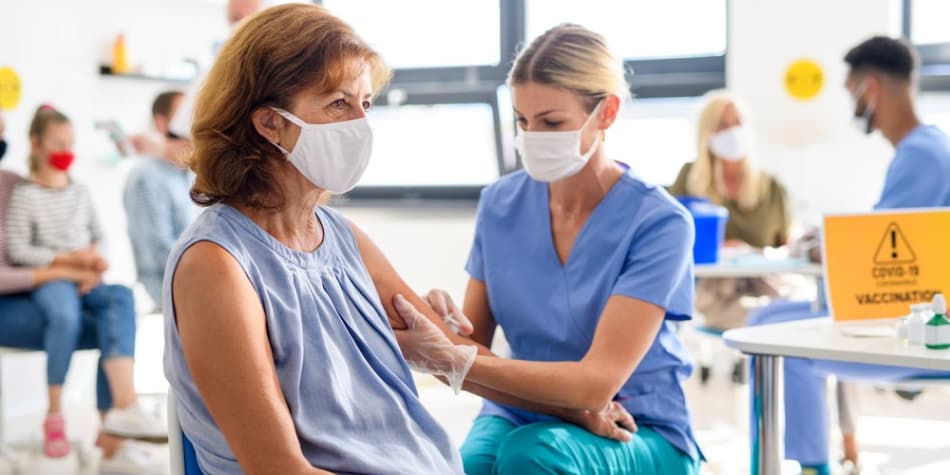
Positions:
(881, 81)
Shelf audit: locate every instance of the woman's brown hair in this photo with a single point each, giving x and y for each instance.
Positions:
(273, 56)
(45, 116)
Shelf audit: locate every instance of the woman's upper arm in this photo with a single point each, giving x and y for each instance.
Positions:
(223, 332)
(388, 284)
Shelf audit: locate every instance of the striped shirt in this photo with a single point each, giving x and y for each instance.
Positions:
(43, 222)
(12, 279)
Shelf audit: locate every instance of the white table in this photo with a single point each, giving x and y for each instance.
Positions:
(738, 268)
(818, 338)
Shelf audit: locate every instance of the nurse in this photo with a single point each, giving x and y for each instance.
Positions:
(881, 83)
(586, 268)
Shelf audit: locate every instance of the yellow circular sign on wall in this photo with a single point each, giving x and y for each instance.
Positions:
(9, 88)
(804, 79)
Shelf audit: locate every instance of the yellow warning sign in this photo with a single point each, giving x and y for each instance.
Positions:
(804, 79)
(10, 90)
(878, 264)
(894, 248)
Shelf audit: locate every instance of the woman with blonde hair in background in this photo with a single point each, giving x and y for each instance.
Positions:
(759, 215)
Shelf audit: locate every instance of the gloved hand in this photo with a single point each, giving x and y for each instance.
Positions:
(428, 350)
(442, 303)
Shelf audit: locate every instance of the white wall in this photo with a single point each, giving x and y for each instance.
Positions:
(810, 146)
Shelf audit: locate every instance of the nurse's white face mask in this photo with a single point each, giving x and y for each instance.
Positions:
(332, 156)
(731, 145)
(551, 156)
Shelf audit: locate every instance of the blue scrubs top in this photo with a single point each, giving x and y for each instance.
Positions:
(918, 175)
(637, 243)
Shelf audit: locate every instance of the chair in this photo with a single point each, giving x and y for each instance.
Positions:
(182, 457)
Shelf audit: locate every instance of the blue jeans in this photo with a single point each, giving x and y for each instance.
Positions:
(56, 319)
(806, 410)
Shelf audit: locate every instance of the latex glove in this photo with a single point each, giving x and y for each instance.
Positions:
(614, 422)
(428, 350)
(442, 303)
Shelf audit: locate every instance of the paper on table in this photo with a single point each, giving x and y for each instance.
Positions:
(868, 331)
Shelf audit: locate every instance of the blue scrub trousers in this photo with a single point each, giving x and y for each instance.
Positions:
(54, 318)
(806, 408)
(495, 446)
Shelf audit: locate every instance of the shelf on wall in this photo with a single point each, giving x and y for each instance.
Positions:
(106, 71)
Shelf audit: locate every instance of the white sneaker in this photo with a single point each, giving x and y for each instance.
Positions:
(132, 458)
(135, 423)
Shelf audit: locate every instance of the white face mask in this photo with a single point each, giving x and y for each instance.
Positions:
(731, 145)
(863, 123)
(332, 156)
(551, 156)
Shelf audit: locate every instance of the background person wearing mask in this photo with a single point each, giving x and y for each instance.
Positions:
(156, 200)
(881, 81)
(40, 310)
(759, 213)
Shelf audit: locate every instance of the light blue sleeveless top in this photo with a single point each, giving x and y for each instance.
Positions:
(351, 395)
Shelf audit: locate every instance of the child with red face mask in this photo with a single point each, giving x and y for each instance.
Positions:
(51, 215)
(51, 222)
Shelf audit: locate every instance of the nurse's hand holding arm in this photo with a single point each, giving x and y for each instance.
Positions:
(389, 284)
(428, 350)
(626, 331)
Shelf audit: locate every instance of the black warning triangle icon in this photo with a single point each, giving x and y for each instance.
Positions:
(894, 248)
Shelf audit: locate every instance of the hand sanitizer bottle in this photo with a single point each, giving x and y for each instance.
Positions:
(938, 327)
(916, 321)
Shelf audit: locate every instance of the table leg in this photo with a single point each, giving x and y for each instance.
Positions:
(768, 415)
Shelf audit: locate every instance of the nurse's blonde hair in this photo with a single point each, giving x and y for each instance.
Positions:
(705, 176)
(573, 58)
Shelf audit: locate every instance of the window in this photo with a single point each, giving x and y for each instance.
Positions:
(928, 22)
(655, 137)
(640, 29)
(432, 145)
(444, 128)
(465, 33)
(924, 24)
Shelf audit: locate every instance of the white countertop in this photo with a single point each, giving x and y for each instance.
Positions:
(738, 268)
(821, 338)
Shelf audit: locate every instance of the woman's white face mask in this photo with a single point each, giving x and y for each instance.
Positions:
(332, 156)
(731, 145)
(551, 156)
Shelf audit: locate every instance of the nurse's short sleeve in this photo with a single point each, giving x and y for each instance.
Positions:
(475, 266)
(659, 265)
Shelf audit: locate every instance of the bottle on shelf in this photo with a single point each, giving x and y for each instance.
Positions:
(120, 55)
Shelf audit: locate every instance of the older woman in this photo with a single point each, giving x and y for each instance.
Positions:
(277, 346)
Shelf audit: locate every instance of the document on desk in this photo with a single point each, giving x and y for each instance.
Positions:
(868, 331)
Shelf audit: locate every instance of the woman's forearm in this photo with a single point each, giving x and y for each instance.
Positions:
(16, 279)
(568, 384)
(502, 397)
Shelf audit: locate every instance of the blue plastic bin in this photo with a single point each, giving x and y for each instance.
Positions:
(710, 221)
